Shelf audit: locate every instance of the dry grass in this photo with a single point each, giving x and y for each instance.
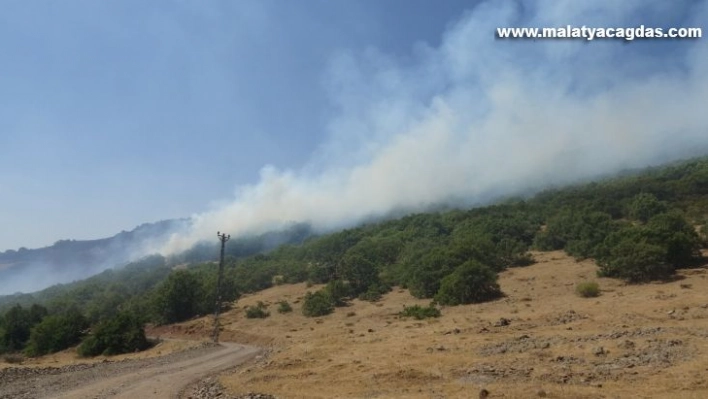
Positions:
(549, 345)
(641, 341)
(69, 356)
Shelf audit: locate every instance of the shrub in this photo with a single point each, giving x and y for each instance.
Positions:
(513, 253)
(635, 261)
(426, 272)
(56, 333)
(317, 304)
(14, 358)
(176, 298)
(419, 312)
(17, 325)
(123, 333)
(471, 282)
(339, 292)
(257, 312)
(644, 206)
(578, 231)
(588, 289)
(284, 307)
(677, 235)
(375, 292)
(649, 252)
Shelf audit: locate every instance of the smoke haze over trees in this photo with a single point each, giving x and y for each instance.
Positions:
(459, 121)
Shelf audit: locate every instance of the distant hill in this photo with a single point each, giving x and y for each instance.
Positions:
(67, 260)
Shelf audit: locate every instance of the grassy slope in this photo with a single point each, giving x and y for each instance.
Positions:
(549, 344)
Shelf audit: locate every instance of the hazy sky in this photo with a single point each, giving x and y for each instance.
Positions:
(247, 114)
(115, 113)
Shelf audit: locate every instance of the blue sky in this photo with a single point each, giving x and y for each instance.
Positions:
(114, 113)
(250, 114)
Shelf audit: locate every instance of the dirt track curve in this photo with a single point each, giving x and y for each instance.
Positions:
(162, 377)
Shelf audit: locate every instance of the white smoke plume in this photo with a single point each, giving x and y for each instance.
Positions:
(478, 117)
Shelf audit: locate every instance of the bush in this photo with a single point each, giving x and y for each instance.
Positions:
(17, 324)
(339, 292)
(375, 292)
(672, 231)
(650, 252)
(56, 333)
(123, 333)
(317, 304)
(644, 206)
(284, 307)
(578, 231)
(635, 260)
(588, 289)
(419, 312)
(426, 272)
(176, 299)
(471, 282)
(257, 312)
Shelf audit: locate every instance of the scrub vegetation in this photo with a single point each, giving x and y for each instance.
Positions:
(640, 227)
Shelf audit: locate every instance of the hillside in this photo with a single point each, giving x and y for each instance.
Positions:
(505, 262)
(27, 270)
(633, 341)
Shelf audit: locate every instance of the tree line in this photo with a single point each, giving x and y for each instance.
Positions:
(639, 227)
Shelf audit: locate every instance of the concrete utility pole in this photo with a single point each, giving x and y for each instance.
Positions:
(223, 238)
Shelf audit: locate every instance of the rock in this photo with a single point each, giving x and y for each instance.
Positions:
(502, 322)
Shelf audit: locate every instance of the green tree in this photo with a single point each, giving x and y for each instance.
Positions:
(677, 235)
(579, 231)
(364, 262)
(471, 282)
(359, 272)
(338, 292)
(634, 259)
(177, 297)
(317, 304)
(56, 332)
(124, 333)
(650, 252)
(426, 272)
(37, 313)
(644, 206)
(17, 325)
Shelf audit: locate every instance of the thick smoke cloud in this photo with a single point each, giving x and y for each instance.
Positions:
(476, 117)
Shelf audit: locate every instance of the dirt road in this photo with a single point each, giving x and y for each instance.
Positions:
(163, 377)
